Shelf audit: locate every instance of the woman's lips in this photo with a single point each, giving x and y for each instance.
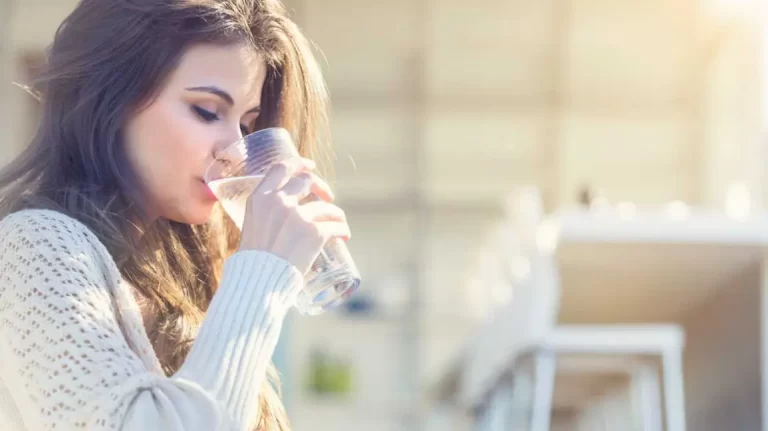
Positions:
(208, 192)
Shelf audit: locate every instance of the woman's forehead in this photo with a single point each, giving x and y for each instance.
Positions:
(236, 69)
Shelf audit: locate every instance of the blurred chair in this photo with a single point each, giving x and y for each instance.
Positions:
(534, 340)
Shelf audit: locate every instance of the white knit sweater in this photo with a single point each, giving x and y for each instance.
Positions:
(74, 354)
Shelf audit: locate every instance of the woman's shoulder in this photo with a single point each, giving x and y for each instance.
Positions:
(41, 232)
(35, 217)
(42, 223)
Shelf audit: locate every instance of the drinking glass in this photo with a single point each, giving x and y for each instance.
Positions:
(236, 173)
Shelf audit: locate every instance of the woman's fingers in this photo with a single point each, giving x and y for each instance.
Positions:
(306, 183)
(334, 229)
(280, 173)
(318, 211)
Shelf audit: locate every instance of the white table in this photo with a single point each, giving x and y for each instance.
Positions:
(640, 267)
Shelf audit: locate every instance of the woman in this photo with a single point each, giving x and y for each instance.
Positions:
(127, 301)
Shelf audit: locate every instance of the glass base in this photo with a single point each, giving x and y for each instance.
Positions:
(326, 291)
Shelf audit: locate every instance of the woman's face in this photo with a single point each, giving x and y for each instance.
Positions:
(208, 102)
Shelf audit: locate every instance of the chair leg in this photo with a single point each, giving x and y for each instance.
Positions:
(545, 367)
(646, 398)
(619, 411)
(503, 404)
(674, 390)
(521, 399)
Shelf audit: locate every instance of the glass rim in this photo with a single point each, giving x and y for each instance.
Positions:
(239, 149)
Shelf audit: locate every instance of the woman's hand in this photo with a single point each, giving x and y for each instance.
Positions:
(278, 221)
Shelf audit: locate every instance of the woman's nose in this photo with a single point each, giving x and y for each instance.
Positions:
(227, 140)
(228, 154)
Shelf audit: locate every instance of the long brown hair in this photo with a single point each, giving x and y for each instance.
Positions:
(108, 59)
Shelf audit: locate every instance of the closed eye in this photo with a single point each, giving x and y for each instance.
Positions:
(205, 114)
(210, 117)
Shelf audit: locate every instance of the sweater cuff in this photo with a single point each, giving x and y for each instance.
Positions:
(253, 275)
(239, 333)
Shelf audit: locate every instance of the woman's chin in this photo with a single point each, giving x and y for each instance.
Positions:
(197, 215)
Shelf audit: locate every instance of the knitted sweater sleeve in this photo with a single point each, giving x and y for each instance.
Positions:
(66, 359)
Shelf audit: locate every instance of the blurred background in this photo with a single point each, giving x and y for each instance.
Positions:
(558, 209)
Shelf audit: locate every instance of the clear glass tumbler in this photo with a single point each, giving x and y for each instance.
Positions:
(236, 173)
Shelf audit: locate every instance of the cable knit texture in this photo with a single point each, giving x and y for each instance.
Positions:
(74, 354)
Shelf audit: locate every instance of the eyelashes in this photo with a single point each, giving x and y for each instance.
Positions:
(204, 114)
(210, 117)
